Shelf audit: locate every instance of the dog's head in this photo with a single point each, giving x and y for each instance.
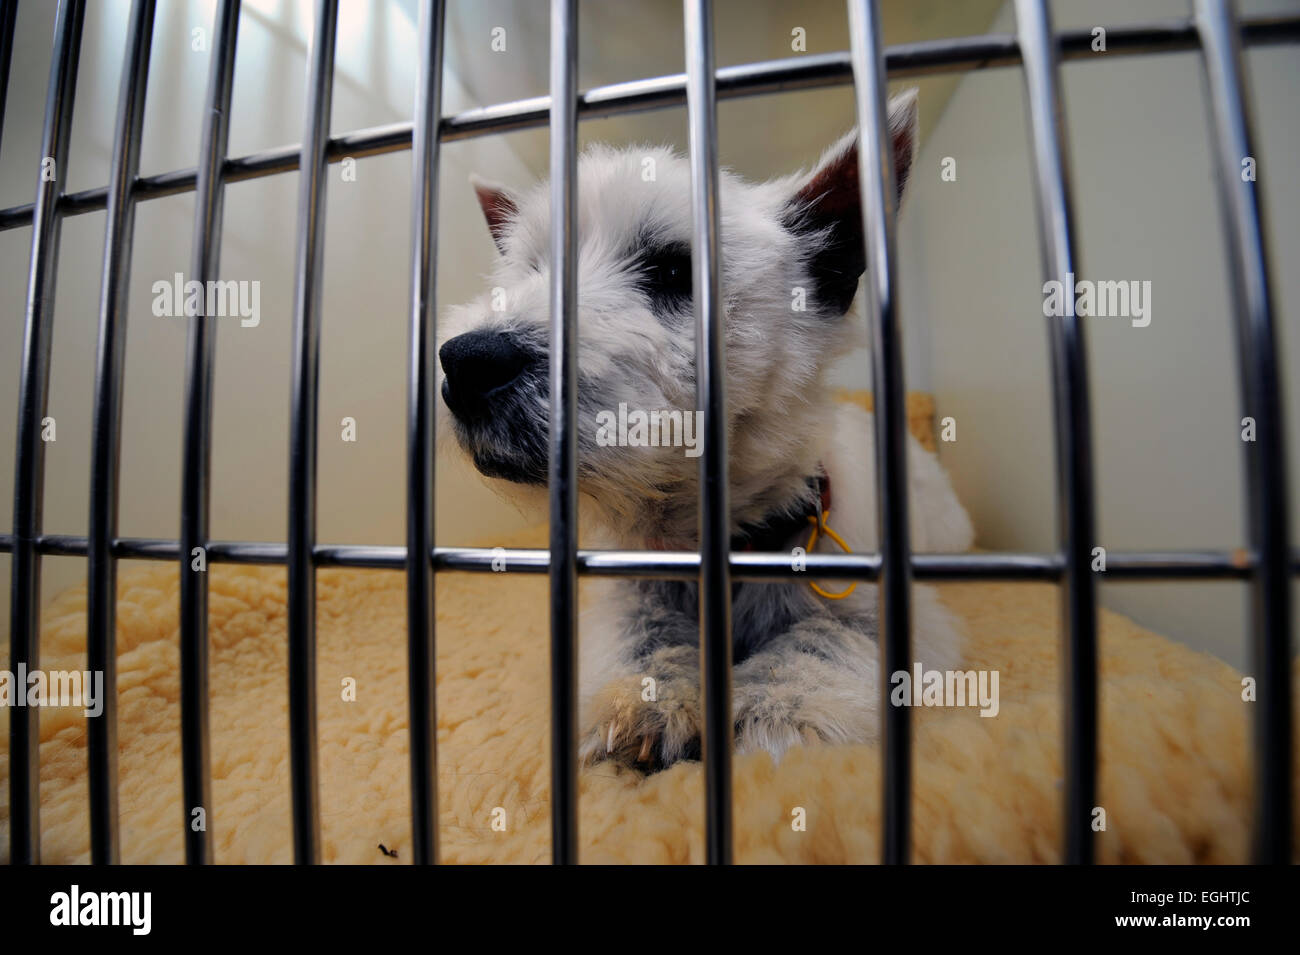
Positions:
(791, 257)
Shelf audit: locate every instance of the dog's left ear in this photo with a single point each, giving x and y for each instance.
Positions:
(499, 208)
(829, 203)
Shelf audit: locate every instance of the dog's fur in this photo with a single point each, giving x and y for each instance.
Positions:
(806, 668)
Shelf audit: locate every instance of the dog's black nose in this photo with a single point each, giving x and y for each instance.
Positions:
(476, 365)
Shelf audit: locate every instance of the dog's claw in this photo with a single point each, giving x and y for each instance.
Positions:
(609, 740)
(644, 755)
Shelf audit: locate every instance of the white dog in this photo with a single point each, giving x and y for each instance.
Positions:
(806, 667)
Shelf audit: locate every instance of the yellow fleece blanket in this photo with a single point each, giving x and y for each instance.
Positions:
(1175, 780)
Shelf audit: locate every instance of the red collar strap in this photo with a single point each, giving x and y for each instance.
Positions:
(824, 488)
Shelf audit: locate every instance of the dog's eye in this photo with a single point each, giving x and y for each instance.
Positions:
(666, 278)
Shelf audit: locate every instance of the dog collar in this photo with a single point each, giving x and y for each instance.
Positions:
(774, 531)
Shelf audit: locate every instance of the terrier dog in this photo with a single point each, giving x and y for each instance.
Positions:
(805, 667)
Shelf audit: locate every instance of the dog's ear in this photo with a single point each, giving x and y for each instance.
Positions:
(828, 203)
(499, 208)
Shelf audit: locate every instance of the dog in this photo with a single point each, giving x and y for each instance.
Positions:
(806, 667)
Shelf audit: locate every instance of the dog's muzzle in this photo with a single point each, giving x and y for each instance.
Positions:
(496, 387)
(479, 367)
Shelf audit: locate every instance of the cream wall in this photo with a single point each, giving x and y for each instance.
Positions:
(1164, 397)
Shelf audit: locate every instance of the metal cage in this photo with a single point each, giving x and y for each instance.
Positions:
(1035, 47)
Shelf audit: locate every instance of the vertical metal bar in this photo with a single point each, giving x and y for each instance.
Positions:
(304, 413)
(29, 452)
(1265, 457)
(106, 432)
(8, 16)
(420, 617)
(711, 394)
(1070, 405)
(563, 436)
(876, 176)
(196, 467)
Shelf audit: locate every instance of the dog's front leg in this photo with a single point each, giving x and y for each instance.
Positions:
(816, 683)
(647, 712)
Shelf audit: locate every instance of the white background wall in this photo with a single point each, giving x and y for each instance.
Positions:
(1165, 406)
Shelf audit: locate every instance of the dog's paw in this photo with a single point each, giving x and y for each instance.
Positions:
(776, 717)
(647, 721)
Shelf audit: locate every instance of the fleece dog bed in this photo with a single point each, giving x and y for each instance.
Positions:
(1174, 771)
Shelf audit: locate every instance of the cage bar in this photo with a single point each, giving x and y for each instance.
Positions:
(878, 189)
(303, 426)
(421, 415)
(1073, 431)
(196, 461)
(685, 565)
(1265, 458)
(106, 429)
(711, 396)
(563, 438)
(814, 71)
(29, 453)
